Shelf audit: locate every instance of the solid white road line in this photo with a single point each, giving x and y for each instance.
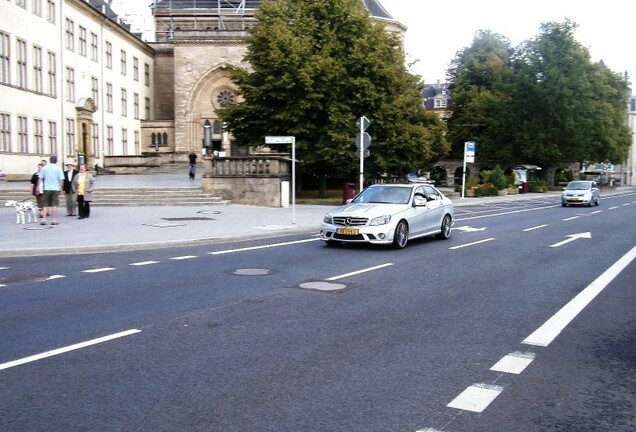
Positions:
(476, 398)
(185, 257)
(144, 263)
(535, 228)
(228, 251)
(67, 349)
(98, 270)
(471, 244)
(545, 334)
(513, 363)
(359, 271)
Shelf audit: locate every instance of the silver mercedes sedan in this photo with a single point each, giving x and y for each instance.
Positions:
(390, 214)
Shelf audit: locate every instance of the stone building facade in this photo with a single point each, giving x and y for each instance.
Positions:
(196, 43)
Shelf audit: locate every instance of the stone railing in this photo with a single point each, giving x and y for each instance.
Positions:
(253, 180)
(247, 165)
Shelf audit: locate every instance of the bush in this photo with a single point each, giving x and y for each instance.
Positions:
(486, 189)
(498, 178)
(538, 185)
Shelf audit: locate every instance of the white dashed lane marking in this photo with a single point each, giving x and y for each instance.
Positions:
(471, 244)
(476, 398)
(98, 270)
(513, 363)
(66, 349)
(185, 257)
(144, 263)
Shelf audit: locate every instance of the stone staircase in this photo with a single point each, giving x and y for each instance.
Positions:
(133, 197)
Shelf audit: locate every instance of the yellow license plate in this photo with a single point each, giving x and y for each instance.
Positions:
(348, 231)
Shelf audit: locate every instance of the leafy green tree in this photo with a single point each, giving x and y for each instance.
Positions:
(481, 84)
(544, 102)
(316, 66)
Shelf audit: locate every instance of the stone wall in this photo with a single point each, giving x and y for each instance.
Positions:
(251, 180)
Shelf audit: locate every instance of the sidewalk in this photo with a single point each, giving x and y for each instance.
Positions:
(131, 228)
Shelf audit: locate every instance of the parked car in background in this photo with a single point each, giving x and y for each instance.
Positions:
(414, 177)
(580, 192)
(390, 214)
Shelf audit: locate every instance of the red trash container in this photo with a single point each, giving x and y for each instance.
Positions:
(348, 192)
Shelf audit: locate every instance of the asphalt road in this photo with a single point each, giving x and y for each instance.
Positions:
(476, 333)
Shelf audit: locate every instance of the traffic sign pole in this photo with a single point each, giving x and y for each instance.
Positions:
(288, 140)
(363, 124)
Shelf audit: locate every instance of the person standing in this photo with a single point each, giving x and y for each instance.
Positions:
(84, 184)
(35, 189)
(51, 183)
(193, 164)
(69, 191)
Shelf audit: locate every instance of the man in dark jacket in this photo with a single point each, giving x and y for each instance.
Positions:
(69, 192)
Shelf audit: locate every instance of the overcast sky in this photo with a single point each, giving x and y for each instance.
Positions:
(437, 30)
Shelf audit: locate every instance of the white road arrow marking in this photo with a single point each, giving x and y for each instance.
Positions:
(571, 238)
(469, 229)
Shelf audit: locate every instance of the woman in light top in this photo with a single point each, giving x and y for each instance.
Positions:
(84, 184)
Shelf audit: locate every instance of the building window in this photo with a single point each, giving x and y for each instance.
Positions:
(38, 134)
(135, 68)
(137, 143)
(95, 90)
(109, 55)
(70, 34)
(23, 135)
(147, 74)
(124, 102)
(70, 136)
(94, 49)
(147, 109)
(109, 97)
(50, 11)
(82, 41)
(37, 69)
(95, 137)
(52, 137)
(52, 90)
(5, 132)
(123, 62)
(37, 7)
(109, 140)
(22, 63)
(136, 105)
(70, 84)
(5, 58)
(21, 3)
(225, 97)
(124, 140)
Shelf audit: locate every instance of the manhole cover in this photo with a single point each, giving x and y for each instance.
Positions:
(190, 218)
(323, 286)
(251, 272)
(165, 225)
(38, 227)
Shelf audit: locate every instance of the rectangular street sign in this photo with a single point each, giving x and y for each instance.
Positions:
(279, 140)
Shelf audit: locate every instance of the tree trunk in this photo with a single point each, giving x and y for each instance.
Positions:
(322, 186)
